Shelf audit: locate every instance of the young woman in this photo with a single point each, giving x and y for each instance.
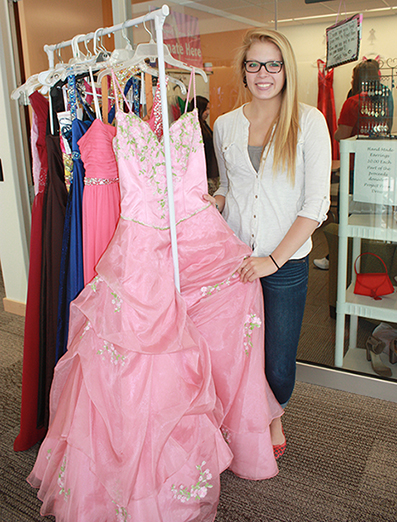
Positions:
(274, 158)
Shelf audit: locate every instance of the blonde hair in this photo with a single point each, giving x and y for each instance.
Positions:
(285, 136)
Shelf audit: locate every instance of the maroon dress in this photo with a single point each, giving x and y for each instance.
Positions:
(29, 434)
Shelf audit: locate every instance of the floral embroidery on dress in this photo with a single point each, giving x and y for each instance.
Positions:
(115, 356)
(146, 148)
(226, 434)
(86, 328)
(252, 322)
(116, 301)
(61, 480)
(196, 491)
(121, 513)
(94, 283)
(48, 454)
(209, 290)
(187, 139)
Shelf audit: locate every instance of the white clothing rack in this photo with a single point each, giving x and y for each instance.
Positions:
(158, 16)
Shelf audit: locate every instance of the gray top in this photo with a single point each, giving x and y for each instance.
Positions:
(255, 154)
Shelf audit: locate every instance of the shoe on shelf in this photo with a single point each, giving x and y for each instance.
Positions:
(322, 264)
(279, 449)
(393, 351)
(374, 348)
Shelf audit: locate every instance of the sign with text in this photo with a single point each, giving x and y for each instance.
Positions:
(182, 37)
(375, 173)
(343, 41)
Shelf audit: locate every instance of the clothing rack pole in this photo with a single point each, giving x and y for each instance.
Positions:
(159, 22)
(158, 16)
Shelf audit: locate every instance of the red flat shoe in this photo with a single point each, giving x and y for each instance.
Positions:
(279, 449)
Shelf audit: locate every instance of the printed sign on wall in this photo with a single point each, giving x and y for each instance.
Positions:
(182, 37)
(343, 41)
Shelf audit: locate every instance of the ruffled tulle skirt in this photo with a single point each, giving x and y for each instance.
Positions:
(159, 391)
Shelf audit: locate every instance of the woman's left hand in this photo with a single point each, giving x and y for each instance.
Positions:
(255, 267)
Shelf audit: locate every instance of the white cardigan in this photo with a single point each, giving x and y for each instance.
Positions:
(260, 207)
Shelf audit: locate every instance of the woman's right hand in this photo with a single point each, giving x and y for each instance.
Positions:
(209, 198)
(218, 202)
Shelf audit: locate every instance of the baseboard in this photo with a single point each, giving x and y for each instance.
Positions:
(345, 380)
(14, 307)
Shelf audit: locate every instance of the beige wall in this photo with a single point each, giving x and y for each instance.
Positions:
(52, 21)
(220, 50)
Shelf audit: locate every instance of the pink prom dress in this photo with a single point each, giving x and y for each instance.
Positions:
(159, 391)
(101, 196)
(134, 417)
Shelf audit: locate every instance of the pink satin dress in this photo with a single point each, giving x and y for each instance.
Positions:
(101, 195)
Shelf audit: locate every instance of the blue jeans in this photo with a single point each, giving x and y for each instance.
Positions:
(284, 295)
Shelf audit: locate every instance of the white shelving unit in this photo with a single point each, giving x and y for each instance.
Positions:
(380, 226)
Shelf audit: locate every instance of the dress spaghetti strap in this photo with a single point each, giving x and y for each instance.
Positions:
(192, 76)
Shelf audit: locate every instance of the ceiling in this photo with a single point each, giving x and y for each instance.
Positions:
(221, 15)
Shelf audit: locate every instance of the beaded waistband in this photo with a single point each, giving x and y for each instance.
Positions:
(100, 181)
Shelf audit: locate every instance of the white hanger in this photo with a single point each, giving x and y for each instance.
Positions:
(102, 55)
(149, 51)
(144, 67)
(120, 59)
(78, 63)
(154, 72)
(26, 89)
(39, 81)
(121, 55)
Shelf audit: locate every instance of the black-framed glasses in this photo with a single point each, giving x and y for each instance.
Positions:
(272, 67)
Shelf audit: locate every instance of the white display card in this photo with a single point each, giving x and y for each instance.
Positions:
(375, 173)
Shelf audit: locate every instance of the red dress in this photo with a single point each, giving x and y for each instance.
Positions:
(326, 103)
(29, 434)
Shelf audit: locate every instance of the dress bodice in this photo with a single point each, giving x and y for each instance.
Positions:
(96, 148)
(142, 169)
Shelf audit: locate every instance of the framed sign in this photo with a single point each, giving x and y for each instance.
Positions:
(343, 41)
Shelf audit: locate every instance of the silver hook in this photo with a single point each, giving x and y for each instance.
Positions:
(58, 53)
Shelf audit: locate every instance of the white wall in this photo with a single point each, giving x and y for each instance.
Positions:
(14, 200)
(309, 43)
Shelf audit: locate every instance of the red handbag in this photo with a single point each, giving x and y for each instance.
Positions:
(374, 284)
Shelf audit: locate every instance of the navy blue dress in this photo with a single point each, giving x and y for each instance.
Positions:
(72, 269)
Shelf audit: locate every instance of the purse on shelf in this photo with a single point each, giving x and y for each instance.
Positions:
(373, 285)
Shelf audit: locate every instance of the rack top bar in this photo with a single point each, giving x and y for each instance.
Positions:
(161, 13)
